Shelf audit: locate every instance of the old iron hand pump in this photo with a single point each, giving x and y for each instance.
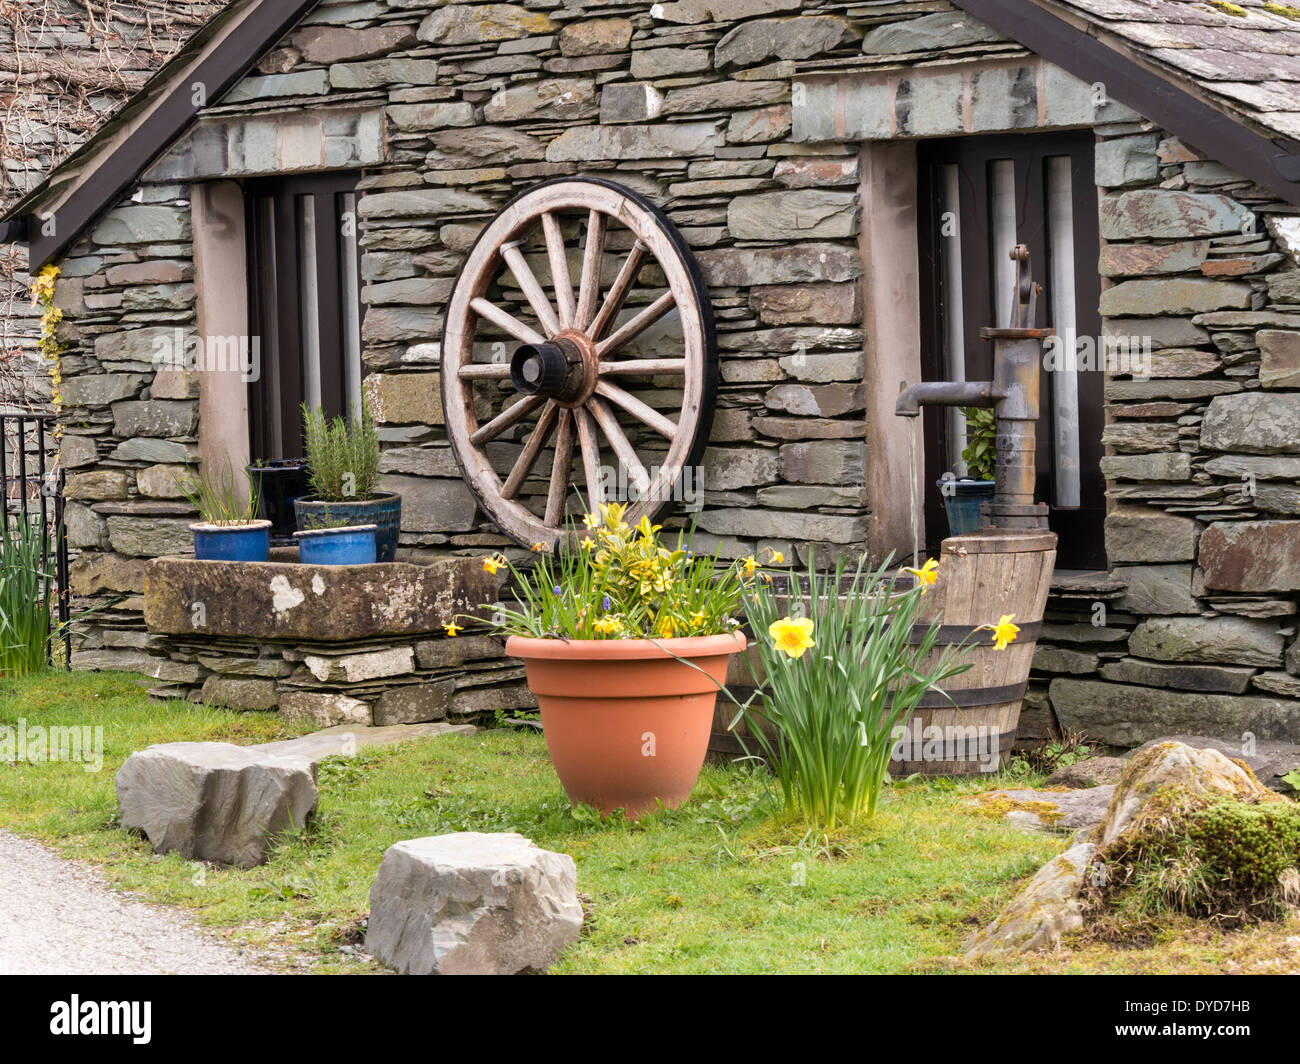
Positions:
(1013, 396)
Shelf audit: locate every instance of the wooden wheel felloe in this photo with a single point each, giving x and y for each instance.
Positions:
(579, 363)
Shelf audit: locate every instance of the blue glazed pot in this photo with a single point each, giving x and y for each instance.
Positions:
(278, 484)
(962, 498)
(351, 545)
(232, 543)
(383, 511)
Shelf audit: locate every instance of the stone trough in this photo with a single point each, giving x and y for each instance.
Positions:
(355, 645)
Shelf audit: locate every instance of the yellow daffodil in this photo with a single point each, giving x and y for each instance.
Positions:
(492, 564)
(590, 520)
(778, 558)
(608, 625)
(1004, 631)
(697, 617)
(538, 547)
(452, 628)
(792, 635)
(588, 544)
(927, 574)
(749, 564)
(665, 628)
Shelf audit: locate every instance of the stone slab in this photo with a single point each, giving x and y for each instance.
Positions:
(318, 603)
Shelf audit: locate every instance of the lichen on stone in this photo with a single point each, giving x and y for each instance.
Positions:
(1285, 10)
(998, 804)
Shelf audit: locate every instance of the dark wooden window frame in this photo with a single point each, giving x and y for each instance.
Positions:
(1079, 528)
(275, 311)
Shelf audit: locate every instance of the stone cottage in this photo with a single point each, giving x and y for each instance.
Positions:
(297, 190)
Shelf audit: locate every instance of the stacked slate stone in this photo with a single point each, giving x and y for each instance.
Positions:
(1191, 630)
(361, 682)
(129, 427)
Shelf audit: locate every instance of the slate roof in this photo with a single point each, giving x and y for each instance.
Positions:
(1243, 55)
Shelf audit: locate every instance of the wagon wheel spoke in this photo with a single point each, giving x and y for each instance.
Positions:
(634, 326)
(559, 487)
(505, 419)
(618, 440)
(489, 371)
(641, 411)
(635, 366)
(560, 281)
(589, 283)
(532, 289)
(618, 291)
(590, 458)
(506, 321)
(530, 453)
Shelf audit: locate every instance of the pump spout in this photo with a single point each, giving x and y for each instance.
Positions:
(945, 393)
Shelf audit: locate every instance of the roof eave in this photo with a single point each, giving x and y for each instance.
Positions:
(1269, 159)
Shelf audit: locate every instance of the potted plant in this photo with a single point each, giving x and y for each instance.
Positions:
(343, 469)
(227, 530)
(625, 643)
(962, 496)
(331, 540)
(279, 483)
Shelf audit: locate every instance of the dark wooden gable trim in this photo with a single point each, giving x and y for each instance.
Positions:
(1272, 162)
(107, 179)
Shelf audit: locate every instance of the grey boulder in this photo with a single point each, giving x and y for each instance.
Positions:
(215, 801)
(472, 903)
(231, 804)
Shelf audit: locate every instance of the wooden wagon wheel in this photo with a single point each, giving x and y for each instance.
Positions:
(614, 357)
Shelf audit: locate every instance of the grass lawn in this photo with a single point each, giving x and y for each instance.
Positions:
(724, 884)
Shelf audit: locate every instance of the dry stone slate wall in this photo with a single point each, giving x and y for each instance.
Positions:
(450, 109)
(1190, 632)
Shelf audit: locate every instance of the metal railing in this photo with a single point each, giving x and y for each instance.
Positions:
(31, 483)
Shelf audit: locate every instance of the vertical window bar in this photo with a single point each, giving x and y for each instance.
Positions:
(1065, 380)
(1002, 206)
(954, 317)
(349, 285)
(309, 298)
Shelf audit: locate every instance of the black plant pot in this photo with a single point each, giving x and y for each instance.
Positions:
(279, 484)
(383, 510)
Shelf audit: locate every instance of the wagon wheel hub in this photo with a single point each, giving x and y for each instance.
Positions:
(564, 368)
(567, 378)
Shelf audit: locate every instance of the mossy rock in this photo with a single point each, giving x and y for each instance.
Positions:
(1192, 772)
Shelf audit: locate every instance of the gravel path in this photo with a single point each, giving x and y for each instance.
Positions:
(59, 917)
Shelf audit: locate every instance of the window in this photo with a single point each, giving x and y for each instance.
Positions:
(978, 197)
(304, 305)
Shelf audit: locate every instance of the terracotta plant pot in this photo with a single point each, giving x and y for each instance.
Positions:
(626, 723)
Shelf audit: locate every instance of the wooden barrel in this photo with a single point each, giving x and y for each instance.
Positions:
(982, 575)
